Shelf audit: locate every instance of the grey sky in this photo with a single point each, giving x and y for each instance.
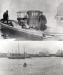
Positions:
(47, 6)
(31, 47)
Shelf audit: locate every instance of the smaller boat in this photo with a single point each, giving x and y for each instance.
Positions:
(25, 64)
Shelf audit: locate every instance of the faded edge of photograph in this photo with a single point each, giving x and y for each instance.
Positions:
(31, 58)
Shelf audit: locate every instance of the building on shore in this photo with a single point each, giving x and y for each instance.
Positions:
(59, 53)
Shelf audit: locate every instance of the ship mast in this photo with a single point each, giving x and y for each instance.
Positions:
(24, 53)
(18, 48)
(25, 64)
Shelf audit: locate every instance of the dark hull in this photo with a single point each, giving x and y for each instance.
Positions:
(14, 57)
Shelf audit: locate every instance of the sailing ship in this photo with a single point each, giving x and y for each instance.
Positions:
(18, 55)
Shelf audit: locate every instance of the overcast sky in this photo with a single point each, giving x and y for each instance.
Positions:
(47, 6)
(30, 46)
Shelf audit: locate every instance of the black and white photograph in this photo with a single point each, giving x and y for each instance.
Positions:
(33, 20)
(35, 58)
(31, 37)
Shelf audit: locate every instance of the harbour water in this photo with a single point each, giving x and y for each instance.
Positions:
(35, 66)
